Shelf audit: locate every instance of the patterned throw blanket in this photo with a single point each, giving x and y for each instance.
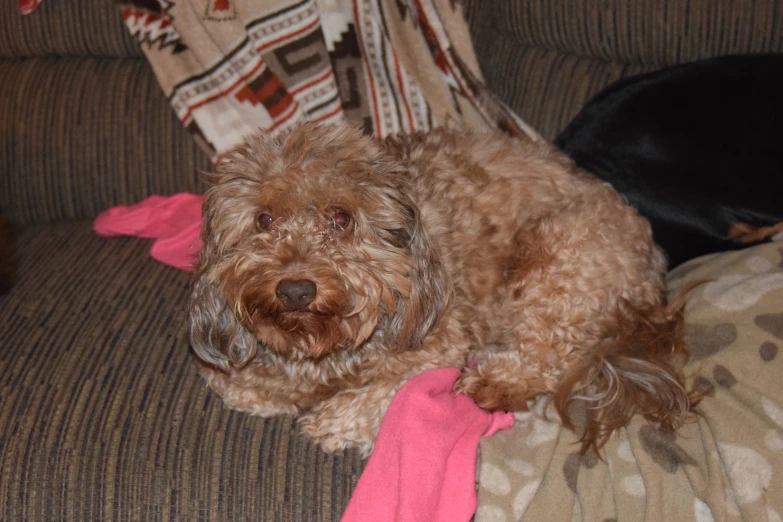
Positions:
(230, 67)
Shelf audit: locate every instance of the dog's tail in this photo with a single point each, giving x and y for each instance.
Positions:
(639, 369)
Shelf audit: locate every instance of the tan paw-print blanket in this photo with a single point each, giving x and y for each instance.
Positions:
(725, 465)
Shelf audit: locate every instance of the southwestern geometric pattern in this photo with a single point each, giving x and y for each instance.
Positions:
(149, 22)
(346, 57)
(230, 67)
(270, 91)
(219, 10)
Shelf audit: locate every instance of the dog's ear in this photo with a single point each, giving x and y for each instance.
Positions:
(429, 294)
(217, 335)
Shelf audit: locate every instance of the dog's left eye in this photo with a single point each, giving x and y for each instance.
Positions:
(263, 220)
(342, 220)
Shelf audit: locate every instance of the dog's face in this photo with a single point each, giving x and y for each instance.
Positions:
(311, 245)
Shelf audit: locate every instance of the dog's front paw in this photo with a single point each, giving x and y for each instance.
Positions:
(252, 400)
(491, 392)
(474, 385)
(341, 423)
(321, 432)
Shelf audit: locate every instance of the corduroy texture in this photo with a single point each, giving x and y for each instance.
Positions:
(650, 32)
(546, 88)
(103, 415)
(546, 58)
(80, 135)
(69, 28)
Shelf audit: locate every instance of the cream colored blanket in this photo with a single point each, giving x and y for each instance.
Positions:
(725, 465)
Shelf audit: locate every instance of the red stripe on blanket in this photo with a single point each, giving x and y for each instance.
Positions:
(325, 76)
(245, 78)
(398, 73)
(268, 90)
(289, 36)
(292, 112)
(329, 114)
(222, 93)
(371, 82)
(440, 56)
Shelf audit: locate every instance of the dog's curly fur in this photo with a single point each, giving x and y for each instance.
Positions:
(424, 251)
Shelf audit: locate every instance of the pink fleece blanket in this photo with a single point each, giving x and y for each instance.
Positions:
(174, 222)
(423, 466)
(28, 6)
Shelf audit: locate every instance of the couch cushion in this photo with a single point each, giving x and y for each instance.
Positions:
(546, 58)
(649, 32)
(83, 134)
(103, 414)
(546, 88)
(65, 28)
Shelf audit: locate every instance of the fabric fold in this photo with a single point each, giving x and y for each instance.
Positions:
(423, 466)
(173, 221)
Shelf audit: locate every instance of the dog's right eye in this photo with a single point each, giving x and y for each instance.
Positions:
(263, 220)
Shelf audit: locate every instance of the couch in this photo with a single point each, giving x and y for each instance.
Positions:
(103, 415)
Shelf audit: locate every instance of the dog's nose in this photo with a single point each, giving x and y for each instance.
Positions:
(296, 295)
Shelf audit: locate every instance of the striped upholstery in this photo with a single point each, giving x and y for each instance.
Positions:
(103, 415)
(83, 134)
(651, 32)
(65, 28)
(545, 58)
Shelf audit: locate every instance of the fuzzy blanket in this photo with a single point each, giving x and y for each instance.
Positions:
(727, 465)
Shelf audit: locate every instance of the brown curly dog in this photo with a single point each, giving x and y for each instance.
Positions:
(335, 267)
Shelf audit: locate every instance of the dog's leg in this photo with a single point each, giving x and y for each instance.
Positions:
(259, 390)
(561, 286)
(351, 418)
(586, 320)
(747, 234)
(506, 381)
